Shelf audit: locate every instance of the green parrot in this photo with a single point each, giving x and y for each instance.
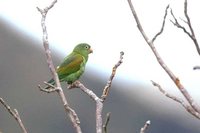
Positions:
(73, 65)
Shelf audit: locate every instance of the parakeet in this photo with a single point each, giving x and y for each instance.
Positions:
(73, 65)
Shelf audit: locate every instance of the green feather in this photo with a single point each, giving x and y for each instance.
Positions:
(73, 65)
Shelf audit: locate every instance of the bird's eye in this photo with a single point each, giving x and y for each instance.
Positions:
(86, 47)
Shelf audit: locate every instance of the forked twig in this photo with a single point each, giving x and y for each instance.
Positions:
(178, 25)
(191, 34)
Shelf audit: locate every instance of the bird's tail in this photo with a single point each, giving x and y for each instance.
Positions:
(52, 82)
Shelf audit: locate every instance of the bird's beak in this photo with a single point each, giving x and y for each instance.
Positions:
(90, 50)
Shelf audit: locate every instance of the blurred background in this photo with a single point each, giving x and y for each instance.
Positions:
(110, 28)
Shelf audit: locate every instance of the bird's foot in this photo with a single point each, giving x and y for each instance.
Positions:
(50, 88)
(73, 85)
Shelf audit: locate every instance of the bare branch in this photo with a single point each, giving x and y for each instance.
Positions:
(191, 29)
(188, 22)
(109, 82)
(145, 127)
(106, 122)
(138, 22)
(45, 11)
(150, 43)
(178, 100)
(178, 25)
(78, 84)
(46, 42)
(93, 96)
(163, 25)
(70, 112)
(162, 63)
(15, 114)
(99, 103)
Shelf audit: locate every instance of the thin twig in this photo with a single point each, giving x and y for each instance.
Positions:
(183, 20)
(188, 22)
(15, 114)
(178, 100)
(145, 127)
(70, 112)
(106, 122)
(109, 82)
(163, 25)
(178, 25)
(191, 29)
(162, 63)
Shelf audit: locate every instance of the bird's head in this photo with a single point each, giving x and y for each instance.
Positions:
(83, 49)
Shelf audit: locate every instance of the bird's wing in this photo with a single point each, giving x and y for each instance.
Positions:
(71, 64)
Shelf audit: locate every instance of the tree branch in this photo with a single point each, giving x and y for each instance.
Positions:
(178, 100)
(178, 25)
(145, 127)
(70, 112)
(163, 25)
(188, 22)
(93, 96)
(162, 63)
(191, 29)
(109, 82)
(15, 114)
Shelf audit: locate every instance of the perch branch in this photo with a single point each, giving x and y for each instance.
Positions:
(106, 122)
(162, 63)
(145, 127)
(93, 96)
(109, 82)
(70, 112)
(15, 114)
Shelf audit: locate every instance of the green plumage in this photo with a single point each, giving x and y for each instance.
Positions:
(73, 65)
